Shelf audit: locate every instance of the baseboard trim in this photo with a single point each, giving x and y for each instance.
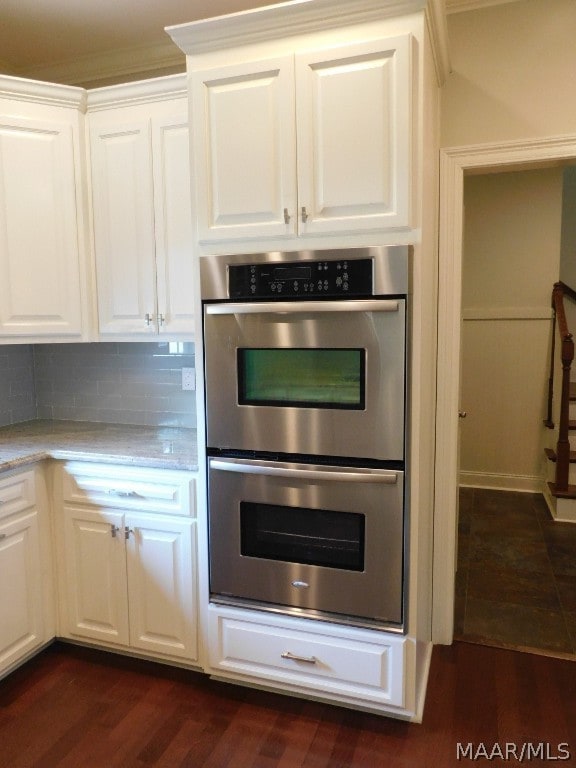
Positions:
(523, 483)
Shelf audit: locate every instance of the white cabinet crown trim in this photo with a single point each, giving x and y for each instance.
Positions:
(141, 92)
(298, 17)
(52, 94)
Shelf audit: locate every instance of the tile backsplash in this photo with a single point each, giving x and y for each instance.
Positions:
(17, 395)
(122, 383)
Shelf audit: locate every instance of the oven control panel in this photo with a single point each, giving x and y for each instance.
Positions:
(301, 279)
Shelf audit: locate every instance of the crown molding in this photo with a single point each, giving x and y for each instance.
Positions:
(285, 19)
(22, 89)
(140, 92)
(459, 6)
(438, 31)
(298, 17)
(114, 66)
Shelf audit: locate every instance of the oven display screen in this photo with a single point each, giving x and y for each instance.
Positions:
(301, 535)
(305, 378)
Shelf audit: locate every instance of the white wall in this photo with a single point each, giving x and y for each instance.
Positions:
(511, 261)
(568, 242)
(513, 73)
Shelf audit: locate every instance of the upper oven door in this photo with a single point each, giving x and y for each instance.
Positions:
(317, 377)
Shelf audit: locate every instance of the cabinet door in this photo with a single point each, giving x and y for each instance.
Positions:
(162, 585)
(39, 251)
(354, 137)
(96, 575)
(124, 226)
(21, 626)
(173, 225)
(244, 150)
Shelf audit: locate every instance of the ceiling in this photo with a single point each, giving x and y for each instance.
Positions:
(98, 42)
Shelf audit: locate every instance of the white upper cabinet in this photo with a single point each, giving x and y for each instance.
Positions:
(142, 209)
(42, 246)
(353, 122)
(245, 150)
(312, 144)
(122, 199)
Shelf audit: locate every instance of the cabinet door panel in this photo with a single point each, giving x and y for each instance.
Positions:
(124, 227)
(354, 136)
(20, 589)
(173, 224)
(96, 575)
(161, 586)
(39, 244)
(245, 149)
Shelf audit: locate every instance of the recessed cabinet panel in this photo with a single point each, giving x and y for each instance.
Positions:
(173, 225)
(124, 227)
(96, 575)
(20, 589)
(39, 244)
(245, 150)
(161, 585)
(354, 136)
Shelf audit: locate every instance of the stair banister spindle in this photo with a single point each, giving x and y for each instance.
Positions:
(563, 445)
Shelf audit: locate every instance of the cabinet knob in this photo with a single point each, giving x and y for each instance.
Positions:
(114, 530)
(462, 414)
(161, 319)
(127, 532)
(148, 318)
(286, 216)
(304, 215)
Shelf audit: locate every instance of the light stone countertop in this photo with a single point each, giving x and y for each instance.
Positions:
(162, 447)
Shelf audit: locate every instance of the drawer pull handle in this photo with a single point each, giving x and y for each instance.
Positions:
(127, 532)
(124, 494)
(114, 530)
(295, 657)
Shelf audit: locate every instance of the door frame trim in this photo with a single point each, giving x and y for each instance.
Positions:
(455, 162)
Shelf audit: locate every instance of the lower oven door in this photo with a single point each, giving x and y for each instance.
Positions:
(307, 539)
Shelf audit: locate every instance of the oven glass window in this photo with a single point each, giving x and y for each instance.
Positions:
(301, 535)
(305, 378)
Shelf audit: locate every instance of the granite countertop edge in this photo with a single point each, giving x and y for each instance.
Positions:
(160, 447)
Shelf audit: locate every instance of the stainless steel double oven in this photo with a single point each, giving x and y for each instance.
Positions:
(305, 371)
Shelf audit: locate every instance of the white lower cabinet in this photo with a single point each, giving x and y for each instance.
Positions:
(345, 664)
(128, 577)
(25, 585)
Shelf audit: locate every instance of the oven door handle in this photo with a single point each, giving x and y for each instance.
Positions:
(300, 307)
(389, 477)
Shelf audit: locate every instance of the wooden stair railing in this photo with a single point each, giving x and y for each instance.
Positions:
(560, 291)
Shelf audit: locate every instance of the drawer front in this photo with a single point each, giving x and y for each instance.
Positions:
(136, 488)
(17, 492)
(356, 664)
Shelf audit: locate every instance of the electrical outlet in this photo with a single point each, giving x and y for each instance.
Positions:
(188, 378)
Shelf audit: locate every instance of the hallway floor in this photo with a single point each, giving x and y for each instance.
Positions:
(516, 577)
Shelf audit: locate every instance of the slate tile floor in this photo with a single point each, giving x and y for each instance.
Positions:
(516, 577)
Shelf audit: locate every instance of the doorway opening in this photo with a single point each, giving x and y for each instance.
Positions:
(512, 588)
(455, 164)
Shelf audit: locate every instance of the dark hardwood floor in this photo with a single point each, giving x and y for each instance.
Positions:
(77, 708)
